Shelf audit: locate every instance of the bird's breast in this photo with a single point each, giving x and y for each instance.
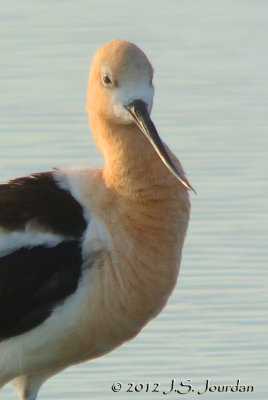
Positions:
(129, 284)
(132, 251)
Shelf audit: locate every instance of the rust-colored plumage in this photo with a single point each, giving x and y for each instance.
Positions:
(129, 221)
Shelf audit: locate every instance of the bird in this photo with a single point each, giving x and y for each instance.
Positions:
(89, 256)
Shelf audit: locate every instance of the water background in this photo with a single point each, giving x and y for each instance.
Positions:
(211, 61)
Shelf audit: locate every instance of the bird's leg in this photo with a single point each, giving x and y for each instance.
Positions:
(27, 386)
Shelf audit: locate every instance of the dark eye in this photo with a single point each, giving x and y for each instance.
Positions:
(106, 80)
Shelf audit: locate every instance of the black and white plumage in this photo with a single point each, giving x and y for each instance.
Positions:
(46, 251)
(41, 226)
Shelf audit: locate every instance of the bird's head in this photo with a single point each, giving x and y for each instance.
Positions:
(120, 92)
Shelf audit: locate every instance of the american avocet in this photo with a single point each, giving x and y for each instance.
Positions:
(89, 256)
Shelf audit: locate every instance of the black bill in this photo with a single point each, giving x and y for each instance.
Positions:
(139, 112)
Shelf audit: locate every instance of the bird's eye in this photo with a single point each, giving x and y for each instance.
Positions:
(106, 80)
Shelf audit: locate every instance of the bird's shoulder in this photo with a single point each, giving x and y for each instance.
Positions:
(39, 202)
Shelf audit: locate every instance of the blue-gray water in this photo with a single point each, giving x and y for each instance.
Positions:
(211, 61)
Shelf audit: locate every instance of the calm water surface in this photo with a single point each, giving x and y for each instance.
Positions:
(211, 65)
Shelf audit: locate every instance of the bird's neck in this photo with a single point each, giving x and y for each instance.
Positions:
(149, 204)
(131, 165)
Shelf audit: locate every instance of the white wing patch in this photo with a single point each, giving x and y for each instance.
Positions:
(12, 241)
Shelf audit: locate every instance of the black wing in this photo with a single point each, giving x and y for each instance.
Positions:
(33, 280)
(39, 198)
